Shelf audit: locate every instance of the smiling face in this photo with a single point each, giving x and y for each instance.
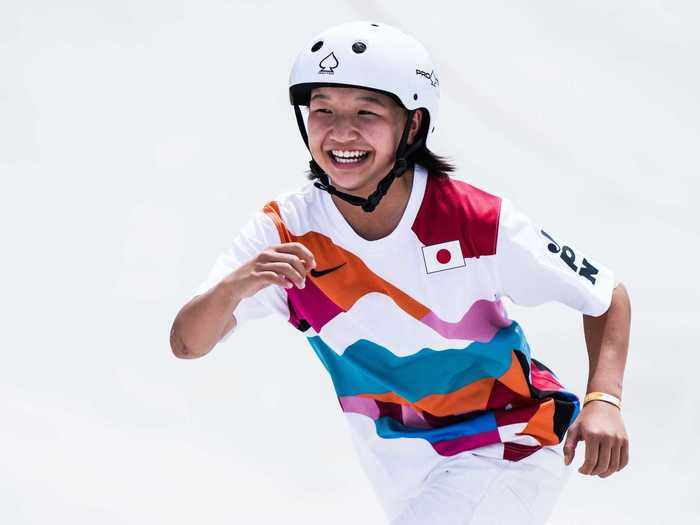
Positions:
(353, 135)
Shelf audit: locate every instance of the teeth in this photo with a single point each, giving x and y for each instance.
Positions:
(348, 154)
(348, 157)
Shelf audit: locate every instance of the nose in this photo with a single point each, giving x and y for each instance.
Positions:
(343, 129)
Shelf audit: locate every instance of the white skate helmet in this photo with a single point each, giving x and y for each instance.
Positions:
(372, 56)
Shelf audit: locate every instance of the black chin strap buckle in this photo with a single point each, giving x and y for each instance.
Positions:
(400, 167)
(371, 202)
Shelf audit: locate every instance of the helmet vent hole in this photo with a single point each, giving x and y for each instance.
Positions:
(375, 25)
(415, 96)
(317, 46)
(359, 47)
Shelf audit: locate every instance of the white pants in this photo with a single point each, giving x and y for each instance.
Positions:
(480, 490)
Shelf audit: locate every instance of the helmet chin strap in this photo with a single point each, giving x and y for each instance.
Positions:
(400, 166)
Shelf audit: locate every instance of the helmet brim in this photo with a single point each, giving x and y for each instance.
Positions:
(299, 94)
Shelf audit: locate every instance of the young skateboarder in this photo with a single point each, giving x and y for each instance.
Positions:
(395, 272)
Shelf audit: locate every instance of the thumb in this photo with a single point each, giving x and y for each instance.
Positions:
(573, 436)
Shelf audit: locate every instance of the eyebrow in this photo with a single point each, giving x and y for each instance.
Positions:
(366, 98)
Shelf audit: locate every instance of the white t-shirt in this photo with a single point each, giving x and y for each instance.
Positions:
(425, 362)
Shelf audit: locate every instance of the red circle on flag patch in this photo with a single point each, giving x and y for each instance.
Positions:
(443, 256)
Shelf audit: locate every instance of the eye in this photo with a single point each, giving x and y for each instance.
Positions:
(367, 113)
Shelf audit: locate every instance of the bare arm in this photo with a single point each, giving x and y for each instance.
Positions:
(607, 339)
(203, 321)
(207, 318)
(600, 423)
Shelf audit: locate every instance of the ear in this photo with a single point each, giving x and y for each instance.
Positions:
(415, 126)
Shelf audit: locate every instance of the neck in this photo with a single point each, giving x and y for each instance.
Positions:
(386, 216)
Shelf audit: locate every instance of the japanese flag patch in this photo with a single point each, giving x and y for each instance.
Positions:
(443, 256)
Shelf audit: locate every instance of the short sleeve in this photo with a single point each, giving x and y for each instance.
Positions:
(256, 235)
(536, 265)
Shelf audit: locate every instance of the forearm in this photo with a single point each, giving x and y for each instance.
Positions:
(607, 340)
(202, 322)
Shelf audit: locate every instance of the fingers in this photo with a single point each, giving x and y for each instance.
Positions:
(293, 261)
(604, 453)
(624, 454)
(298, 249)
(287, 259)
(592, 449)
(285, 269)
(614, 465)
(619, 455)
(606, 443)
(605, 456)
(572, 438)
(270, 277)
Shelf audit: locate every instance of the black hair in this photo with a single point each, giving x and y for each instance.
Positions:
(436, 165)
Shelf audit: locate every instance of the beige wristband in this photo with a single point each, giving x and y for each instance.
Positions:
(602, 396)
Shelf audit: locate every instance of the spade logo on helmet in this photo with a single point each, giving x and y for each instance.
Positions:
(328, 64)
(430, 76)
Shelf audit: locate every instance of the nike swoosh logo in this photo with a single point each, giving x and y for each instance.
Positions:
(319, 273)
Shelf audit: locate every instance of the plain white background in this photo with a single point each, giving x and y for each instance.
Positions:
(136, 137)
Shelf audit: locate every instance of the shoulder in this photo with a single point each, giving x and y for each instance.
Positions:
(455, 208)
(292, 210)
